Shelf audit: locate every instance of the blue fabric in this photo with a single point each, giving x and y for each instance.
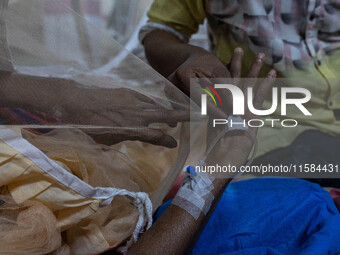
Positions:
(272, 216)
(161, 210)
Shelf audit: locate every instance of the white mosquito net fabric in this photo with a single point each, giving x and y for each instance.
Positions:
(63, 191)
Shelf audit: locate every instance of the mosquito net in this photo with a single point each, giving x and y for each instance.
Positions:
(75, 178)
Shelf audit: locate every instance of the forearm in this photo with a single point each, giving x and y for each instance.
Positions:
(166, 53)
(176, 231)
(33, 93)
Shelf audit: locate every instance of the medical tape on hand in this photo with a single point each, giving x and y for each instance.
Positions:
(189, 201)
(195, 195)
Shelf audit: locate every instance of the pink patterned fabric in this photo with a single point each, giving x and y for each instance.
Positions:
(290, 32)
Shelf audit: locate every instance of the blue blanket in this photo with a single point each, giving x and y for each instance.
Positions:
(272, 216)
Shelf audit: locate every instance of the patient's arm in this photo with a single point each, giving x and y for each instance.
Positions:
(32, 93)
(127, 110)
(176, 231)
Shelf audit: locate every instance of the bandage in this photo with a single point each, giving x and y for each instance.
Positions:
(195, 195)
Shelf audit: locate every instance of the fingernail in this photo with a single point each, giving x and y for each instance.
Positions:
(260, 57)
(272, 74)
(239, 51)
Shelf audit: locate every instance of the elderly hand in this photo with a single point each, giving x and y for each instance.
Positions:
(201, 65)
(121, 114)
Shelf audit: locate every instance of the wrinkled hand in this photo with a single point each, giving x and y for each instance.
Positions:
(125, 112)
(203, 65)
